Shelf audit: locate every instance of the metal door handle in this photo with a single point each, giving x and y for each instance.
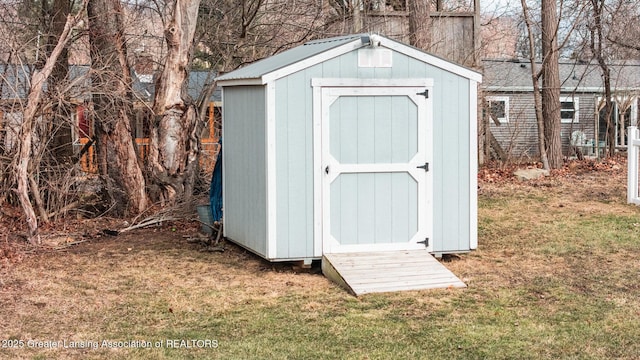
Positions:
(326, 170)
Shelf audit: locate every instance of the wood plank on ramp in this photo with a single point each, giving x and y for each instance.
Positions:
(386, 271)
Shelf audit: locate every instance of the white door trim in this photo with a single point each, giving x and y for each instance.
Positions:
(325, 91)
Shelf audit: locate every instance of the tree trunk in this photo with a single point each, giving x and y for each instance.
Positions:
(551, 84)
(36, 89)
(174, 150)
(597, 49)
(419, 24)
(117, 160)
(62, 141)
(542, 148)
(357, 16)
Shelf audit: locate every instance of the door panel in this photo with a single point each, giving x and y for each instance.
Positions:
(374, 208)
(374, 195)
(373, 129)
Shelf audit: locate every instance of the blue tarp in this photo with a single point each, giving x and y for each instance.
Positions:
(215, 192)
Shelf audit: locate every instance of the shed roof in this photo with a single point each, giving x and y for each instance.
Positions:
(316, 51)
(515, 76)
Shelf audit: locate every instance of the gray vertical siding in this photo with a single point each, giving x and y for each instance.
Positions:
(294, 166)
(451, 163)
(519, 137)
(294, 151)
(245, 189)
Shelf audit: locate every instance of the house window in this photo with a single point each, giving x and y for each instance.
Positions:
(12, 123)
(624, 113)
(85, 129)
(143, 118)
(498, 108)
(569, 110)
(396, 5)
(213, 124)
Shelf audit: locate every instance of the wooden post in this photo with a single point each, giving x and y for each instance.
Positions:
(632, 166)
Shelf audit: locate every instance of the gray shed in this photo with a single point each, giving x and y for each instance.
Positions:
(350, 144)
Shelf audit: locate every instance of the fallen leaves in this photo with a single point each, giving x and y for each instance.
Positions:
(501, 173)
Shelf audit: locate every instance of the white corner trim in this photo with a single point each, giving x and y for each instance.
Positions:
(317, 171)
(224, 171)
(473, 165)
(270, 152)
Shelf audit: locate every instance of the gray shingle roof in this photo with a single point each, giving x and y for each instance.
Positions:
(515, 75)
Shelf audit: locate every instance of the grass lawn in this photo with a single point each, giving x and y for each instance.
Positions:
(555, 276)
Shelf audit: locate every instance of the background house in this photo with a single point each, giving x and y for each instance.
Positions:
(509, 105)
(14, 87)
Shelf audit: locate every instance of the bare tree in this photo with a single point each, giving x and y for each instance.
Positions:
(117, 159)
(419, 23)
(38, 80)
(535, 75)
(174, 139)
(596, 31)
(611, 34)
(551, 83)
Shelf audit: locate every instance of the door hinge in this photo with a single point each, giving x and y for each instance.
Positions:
(425, 93)
(425, 242)
(425, 166)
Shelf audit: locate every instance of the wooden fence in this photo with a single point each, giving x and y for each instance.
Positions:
(633, 166)
(210, 148)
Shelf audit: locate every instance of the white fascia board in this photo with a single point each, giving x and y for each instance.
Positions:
(567, 89)
(237, 82)
(432, 60)
(317, 59)
(349, 82)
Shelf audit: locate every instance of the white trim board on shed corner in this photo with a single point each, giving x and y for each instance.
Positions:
(388, 271)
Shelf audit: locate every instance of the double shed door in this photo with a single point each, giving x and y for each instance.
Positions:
(376, 185)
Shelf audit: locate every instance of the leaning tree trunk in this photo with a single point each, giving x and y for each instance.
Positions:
(174, 150)
(551, 84)
(111, 80)
(38, 80)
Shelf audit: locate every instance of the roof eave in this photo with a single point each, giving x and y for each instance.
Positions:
(312, 60)
(581, 89)
(240, 82)
(433, 60)
(350, 46)
(294, 67)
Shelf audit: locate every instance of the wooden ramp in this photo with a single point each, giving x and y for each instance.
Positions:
(386, 271)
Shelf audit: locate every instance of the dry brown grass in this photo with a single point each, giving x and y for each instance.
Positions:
(554, 276)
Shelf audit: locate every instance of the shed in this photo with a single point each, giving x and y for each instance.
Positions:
(353, 144)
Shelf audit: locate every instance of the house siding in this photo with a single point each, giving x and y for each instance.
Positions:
(519, 137)
(512, 78)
